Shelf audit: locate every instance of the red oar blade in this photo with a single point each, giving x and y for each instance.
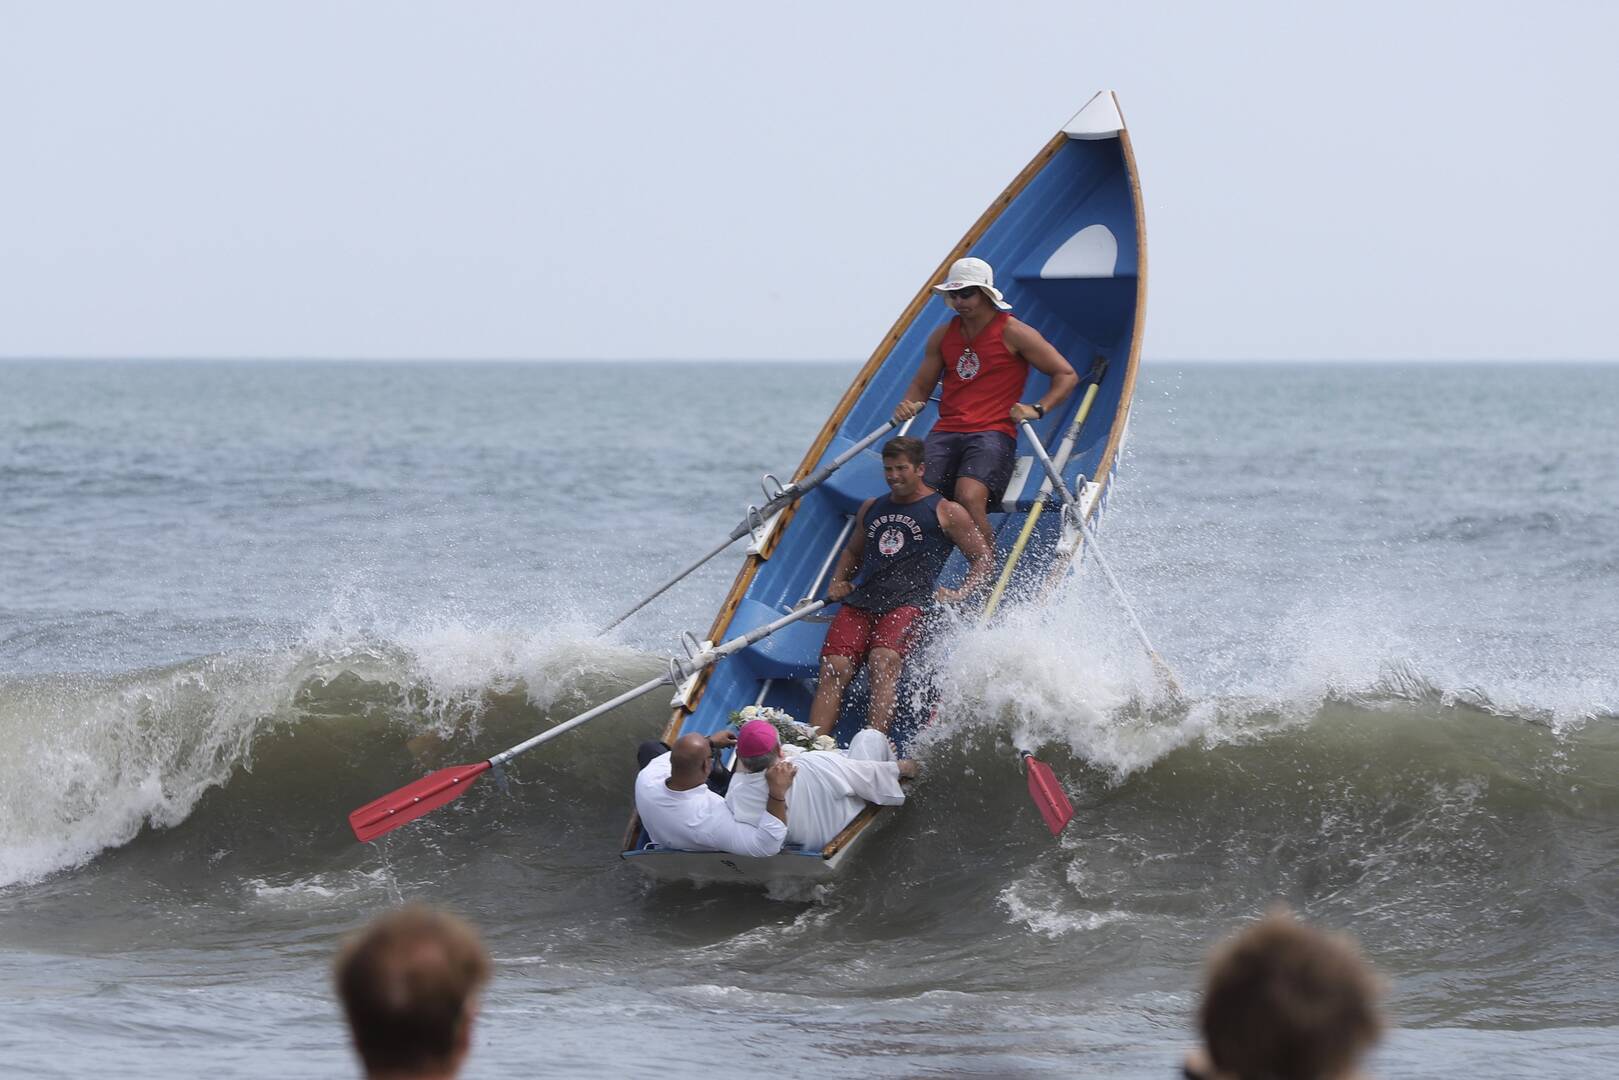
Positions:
(1048, 795)
(413, 800)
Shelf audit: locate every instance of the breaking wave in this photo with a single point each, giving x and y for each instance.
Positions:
(97, 760)
(254, 761)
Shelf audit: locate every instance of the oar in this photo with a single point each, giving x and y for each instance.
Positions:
(1068, 501)
(787, 495)
(1048, 795)
(431, 792)
(1044, 789)
(1094, 377)
(1065, 449)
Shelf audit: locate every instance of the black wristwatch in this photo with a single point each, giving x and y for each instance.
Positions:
(1039, 408)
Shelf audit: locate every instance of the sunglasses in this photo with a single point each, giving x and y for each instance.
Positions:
(962, 294)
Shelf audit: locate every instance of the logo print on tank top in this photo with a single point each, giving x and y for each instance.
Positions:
(967, 365)
(891, 540)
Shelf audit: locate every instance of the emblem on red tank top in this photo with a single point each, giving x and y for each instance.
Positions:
(967, 365)
(890, 541)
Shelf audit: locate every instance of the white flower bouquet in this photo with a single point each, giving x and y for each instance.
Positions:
(792, 732)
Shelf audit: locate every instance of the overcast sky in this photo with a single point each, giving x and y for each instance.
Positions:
(759, 180)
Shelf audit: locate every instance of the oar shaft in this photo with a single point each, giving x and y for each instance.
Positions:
(1118, 590)
(758, 633)
(797, 488)
(1070, 437)
(1052, 472)
(1096, 549)
(568, 725)
(697, 663)
(789, 494)
(1012, 558)
(667, 585)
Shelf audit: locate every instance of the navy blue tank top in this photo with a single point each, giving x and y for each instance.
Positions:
(905, 550)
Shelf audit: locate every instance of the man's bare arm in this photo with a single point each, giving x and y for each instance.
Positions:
(778, 782)
(958, 526)
(842, 583)
(1026, 341)
(927, 377)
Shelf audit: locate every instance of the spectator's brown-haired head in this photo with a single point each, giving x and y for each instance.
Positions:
(409, 984)
(1286, 1002)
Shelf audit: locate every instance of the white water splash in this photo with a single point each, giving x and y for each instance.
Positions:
(1063, 674)
(318, 890)
(456, 664)
(1037, 906)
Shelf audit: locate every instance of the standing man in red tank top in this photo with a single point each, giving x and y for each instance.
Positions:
(984, 356)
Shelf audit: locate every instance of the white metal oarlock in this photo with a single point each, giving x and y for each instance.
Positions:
(691, 646)
(756, 527)
(761, 527)
(683, 674)
(772, 488)
(1074, 515)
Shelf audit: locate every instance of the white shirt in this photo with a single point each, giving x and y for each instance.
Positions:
(698, 819)
(831, 787)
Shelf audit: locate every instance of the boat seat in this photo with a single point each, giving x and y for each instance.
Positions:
(1020, 492)
(793, 652)
(856, 481)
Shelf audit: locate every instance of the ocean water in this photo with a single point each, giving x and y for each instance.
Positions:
(238, 600)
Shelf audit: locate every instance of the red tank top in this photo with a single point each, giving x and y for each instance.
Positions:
(982, 381)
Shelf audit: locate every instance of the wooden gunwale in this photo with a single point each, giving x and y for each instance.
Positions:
(1127, 392)
(1104, 467)
(850, 831)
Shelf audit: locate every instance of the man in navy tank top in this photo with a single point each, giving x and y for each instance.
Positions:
(984, 356)
(900, 543)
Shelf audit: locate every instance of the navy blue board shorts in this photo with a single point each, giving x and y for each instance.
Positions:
(985, 456)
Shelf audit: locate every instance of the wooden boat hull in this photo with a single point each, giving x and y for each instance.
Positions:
(1067, 242)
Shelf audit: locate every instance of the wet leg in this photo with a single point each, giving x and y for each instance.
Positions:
(836, 671)
(974, 498)
(884, 665)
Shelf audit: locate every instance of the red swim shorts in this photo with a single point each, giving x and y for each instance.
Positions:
(856, 630)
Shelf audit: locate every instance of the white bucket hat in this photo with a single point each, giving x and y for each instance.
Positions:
(968, 272)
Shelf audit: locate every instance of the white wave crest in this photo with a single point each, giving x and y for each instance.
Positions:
(94, 761)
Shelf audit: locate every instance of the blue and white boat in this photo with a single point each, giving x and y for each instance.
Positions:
(1067, 243)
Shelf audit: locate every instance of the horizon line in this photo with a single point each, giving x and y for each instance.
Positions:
(248, 359)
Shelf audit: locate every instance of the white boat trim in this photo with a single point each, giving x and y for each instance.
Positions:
(1099, 119)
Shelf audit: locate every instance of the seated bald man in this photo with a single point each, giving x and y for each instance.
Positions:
(679, 811)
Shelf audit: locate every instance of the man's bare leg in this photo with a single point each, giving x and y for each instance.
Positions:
(974, 498)
(836, 671)
(883, 665)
